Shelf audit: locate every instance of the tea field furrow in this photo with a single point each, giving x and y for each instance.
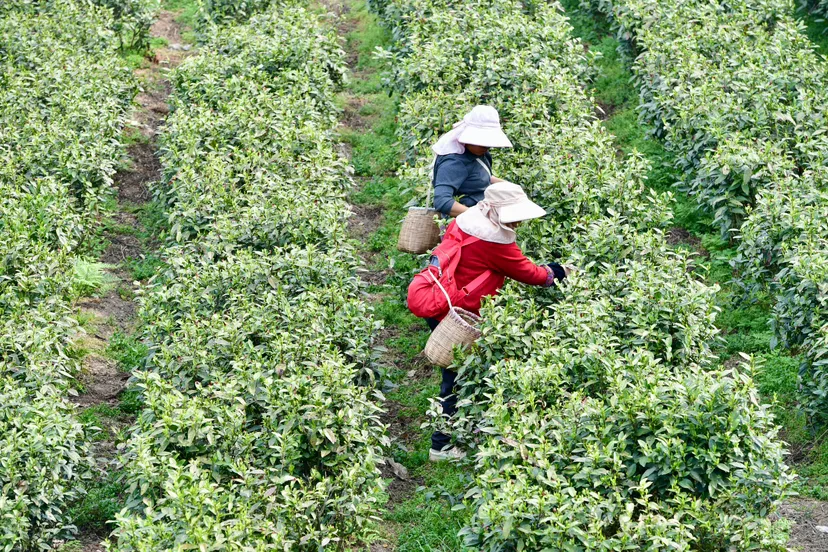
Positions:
(64, 94)
(738, 94)
(255, 431)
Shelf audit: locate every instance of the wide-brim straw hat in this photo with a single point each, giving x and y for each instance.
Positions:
(526, 210)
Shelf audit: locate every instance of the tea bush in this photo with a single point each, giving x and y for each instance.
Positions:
(44, 459)
(734, 89)
(255, 432)
(816, 8)
(785, 243)
(738, 92)
(63, 99)
(598, 415)
(130, 20)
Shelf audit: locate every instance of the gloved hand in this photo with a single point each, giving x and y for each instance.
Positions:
(555, 273)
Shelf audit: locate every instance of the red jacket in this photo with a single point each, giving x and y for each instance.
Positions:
(503, 259)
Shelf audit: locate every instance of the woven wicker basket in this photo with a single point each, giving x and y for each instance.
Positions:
(419, 232)
(458, 328)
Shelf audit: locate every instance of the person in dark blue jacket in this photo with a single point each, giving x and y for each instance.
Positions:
(463, 167)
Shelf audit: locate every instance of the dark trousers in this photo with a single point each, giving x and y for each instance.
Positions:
(439, 440)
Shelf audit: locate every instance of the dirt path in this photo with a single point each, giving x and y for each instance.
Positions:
(810, 532)
(111, 315)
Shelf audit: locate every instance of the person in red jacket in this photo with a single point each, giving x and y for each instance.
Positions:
(493, 221)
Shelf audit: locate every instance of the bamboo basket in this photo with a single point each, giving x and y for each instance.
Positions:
(420, 232)
(458, 328)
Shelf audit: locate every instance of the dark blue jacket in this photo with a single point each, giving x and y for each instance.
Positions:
(460, 176)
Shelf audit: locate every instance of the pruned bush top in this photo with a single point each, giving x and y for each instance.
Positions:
(597, 414)
(256, 433)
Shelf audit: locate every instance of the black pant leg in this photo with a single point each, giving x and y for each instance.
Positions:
(432, 323)
(439, 440)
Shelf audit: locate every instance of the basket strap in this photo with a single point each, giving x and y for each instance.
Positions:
(441, 288)
(485, 166)
(430, 182)
(474, 284)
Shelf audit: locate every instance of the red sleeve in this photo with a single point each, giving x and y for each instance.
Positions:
(510, 261)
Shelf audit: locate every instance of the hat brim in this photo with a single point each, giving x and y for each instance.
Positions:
(484, 137)
(525, 210)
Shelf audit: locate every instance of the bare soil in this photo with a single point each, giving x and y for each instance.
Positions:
(604, 111)
(110, 313)
(156, 88)
(352, 118)
(366, 220)
(102, 381)
(807, 514)
(122, 246)
(146, 168)
(398, 490)
(680, 236)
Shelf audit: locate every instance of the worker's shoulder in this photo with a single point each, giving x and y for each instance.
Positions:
(452, 158)
(490, 245)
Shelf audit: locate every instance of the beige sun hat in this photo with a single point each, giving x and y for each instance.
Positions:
(512, 203)
(480, 127)
(503, 202)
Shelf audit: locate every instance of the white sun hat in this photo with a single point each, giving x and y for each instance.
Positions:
(503, 202)
(480, 127)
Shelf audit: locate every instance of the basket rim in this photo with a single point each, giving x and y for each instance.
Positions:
(461, 313)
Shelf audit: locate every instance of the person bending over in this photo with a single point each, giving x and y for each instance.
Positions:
(487, 236)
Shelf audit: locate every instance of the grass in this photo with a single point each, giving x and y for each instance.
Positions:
(428, 521)
(99, 419)
(186, 15)
(144, 267)
(131, 401)
(743, 321)
(104, 496)
(816, 28)
(127, 351)
(104, 499)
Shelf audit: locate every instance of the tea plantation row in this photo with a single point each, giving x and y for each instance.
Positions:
(597, 415)
(736, 90)
(63, 98)
(255, 433)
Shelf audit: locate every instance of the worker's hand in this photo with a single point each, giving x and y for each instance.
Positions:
(555, 272)
(569, 269)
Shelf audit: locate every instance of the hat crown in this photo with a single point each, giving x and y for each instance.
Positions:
(504, 193)
(484, 116)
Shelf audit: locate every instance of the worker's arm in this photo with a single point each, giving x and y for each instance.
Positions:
(448, 177)
(495, 180)
(457, 208)
(510, 261)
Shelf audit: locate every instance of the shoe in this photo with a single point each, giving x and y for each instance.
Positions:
(448, 455)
